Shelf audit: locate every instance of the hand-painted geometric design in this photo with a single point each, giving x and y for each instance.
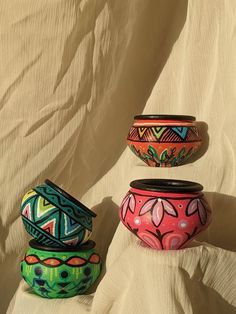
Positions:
(26, 212)
(199, 206)
(44, 207)
(87, 235)
(52, 261)
(181, 131)
(141, 131)
(94, 259)
(157, 207)
(165, 220)
(78, 214)
(64, 275)
(164, 134)
(128, 204)
(31, 259)
(51, 226)
(71, 225)
(28, 195)
(158, 131)
(72, 242)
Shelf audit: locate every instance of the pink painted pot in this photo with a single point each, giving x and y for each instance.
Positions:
(165, 214)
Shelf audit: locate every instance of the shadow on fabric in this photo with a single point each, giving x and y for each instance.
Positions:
(104, 228)
(148, 35)
(202, 128)
(221, 232)
(203, 299)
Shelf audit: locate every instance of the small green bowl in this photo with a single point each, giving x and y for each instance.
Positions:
(59, 273)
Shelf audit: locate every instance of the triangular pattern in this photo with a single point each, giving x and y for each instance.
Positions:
(141, 131)
(73, 241)
(181, 131)
(70, 225)
(193, 135)
(26, 212)
(49, 226)
(158, 131)
(163, 134)
(170, 136)
(29, 194)
(63, 284)
(43, 207)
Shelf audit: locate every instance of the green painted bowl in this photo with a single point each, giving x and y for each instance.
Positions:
(54, 218)
(58, 273)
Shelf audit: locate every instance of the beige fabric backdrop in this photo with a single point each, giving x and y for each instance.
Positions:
(72, 76)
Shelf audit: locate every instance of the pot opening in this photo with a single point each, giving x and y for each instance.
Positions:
(166, 185)
(164, 117)
(69, 197)
(83, 247)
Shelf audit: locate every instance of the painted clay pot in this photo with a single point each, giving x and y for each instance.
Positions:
(164, 140)
(165, 214)
(60, 273)
(54, 218)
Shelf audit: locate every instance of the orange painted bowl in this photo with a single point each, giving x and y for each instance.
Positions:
(164, 140)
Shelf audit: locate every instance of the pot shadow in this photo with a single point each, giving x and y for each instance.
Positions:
(104, 228)
(221, 232)
(10, 278)
(202, 128)
(126, 84)
(204, 299)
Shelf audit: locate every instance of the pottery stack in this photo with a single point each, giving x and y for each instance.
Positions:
(165, 214)
(61, 260)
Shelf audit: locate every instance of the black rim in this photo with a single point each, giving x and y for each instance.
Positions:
(164, 117)
(83, 247)
(69, 197)
(166, 185)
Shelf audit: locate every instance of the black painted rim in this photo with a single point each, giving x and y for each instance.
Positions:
(164, 117)
(166, 185)
(83, 247)
(69, 197)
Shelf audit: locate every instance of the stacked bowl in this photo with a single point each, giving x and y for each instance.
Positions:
(165, 214)
(61, 261)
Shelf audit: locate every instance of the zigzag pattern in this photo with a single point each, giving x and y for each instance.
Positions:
(48, 224)
(164, 134)
(80, 216)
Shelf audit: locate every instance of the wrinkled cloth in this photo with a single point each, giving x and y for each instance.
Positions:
(72, 76)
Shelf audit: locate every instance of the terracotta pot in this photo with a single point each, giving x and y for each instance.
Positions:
(54, 218)
(60, 273)
(164, 140)
(165, 214)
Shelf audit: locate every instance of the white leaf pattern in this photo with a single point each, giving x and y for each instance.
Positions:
(192, 207)
(125, 207)
(132, 203)
(128, 204)
(157, 213)
(169, 208)
(206, 205)
(202, 213)
(147, 206)
(125, 198)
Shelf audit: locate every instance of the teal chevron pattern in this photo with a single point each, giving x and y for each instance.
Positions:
(49, 224)
(69, 208)
(181, 131)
